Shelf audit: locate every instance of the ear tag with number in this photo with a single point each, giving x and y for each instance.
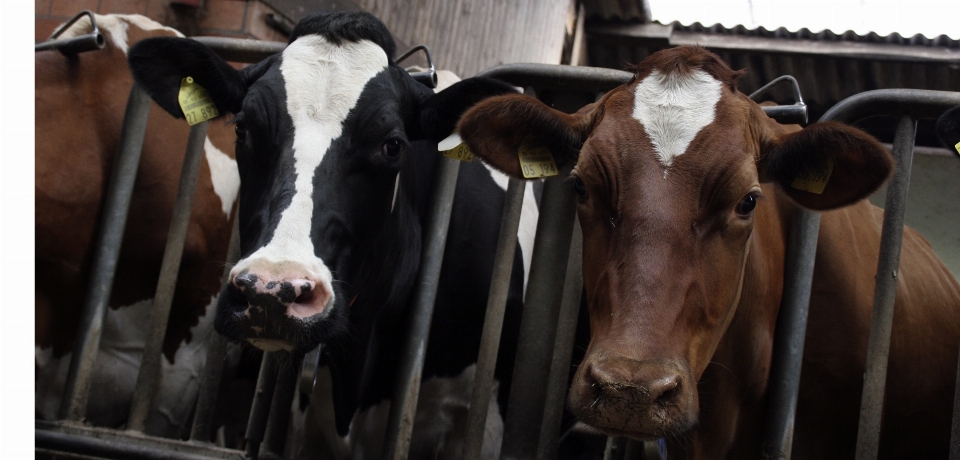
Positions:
(813, 183)
(536, 161)
(454, 147)
(195, 102)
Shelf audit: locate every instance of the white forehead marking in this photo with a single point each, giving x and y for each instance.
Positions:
(674, 108)
(323, 82)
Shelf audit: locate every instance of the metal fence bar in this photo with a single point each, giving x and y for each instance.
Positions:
(528, 390)
(884, 294)
(558, 383)
(113, 222)
(404, 405)
(148, 379)
(493, 320)
(86, 446)
(260, 409)
(790, 333)
(216, 352)
(279, 419)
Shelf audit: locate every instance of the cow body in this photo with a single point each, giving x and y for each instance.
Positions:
(685, 193)
(337, 150)
(80, 103)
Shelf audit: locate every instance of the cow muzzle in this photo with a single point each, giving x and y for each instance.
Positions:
(628, 397)
(275, 306)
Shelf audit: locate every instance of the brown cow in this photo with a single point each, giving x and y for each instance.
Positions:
(80, 104)
(686, 190)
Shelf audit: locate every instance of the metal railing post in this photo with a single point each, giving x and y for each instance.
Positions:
(493, 320)
(113, 222)
(262, 399)
(404, 405)
(149, 376)
(791, 331)
(538, 326)
(558, 383)
(884, 294)
(216, 352)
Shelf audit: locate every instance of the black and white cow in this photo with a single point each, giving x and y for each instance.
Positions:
(337, 149)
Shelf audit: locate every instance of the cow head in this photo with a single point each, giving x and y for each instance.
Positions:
(668, 175)
(331, 182)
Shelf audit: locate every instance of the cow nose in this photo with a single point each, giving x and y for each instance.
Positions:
(634, 382)
(295, 296)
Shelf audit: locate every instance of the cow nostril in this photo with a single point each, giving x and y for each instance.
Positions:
(245, 281)
(668, 389)
(305, 297)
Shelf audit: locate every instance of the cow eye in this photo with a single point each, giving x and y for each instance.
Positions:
(747, 205)
(241, 130)
(391, 148)
(580, 188)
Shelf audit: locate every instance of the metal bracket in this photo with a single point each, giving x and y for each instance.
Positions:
(784, 114)
(428, 77)
(89, 42)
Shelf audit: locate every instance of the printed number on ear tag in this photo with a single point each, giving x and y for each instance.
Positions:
(813, 183)
(195, 102)
(454, 147)
(536, 161)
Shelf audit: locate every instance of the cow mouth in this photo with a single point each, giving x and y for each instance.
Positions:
(640, 423)
(270, 329)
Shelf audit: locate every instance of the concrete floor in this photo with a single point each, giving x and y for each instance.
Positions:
(933, 205)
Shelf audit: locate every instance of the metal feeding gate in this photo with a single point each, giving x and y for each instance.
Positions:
(533, 416)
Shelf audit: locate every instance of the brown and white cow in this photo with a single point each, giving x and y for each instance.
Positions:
(685, 197)
(80, 103)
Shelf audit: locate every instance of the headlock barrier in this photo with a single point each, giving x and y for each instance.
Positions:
(533, 416)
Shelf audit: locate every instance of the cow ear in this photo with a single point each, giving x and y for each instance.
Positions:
(438, 113)
(496, 128)
(826, 165)
(159, 64)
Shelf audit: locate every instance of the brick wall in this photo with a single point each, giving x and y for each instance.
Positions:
(225, 18)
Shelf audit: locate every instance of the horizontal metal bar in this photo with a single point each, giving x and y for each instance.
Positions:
(241, 50)
(917, 103)
(111, 444)
(89, 42)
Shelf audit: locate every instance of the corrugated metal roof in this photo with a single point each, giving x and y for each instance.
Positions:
(823, 35)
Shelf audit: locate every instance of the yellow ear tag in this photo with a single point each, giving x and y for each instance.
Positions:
(536, 161)
(196, 103)
(454, 147)
(813, 183)
(957, 146)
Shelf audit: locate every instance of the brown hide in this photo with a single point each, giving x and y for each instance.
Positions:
(80, 103)
(685, 279)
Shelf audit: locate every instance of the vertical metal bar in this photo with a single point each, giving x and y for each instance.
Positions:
(878, 348)
(148, 379)
(563, 349)
(260, 409)
(493, 320)
(216, 352)
(790, 334)
(402, 410)
(528, 390)
(113, 221)
(279, 419)
(955, 429)
(616, 447)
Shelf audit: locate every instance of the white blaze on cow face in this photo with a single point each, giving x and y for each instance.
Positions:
(674, 108)
(323, 82)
